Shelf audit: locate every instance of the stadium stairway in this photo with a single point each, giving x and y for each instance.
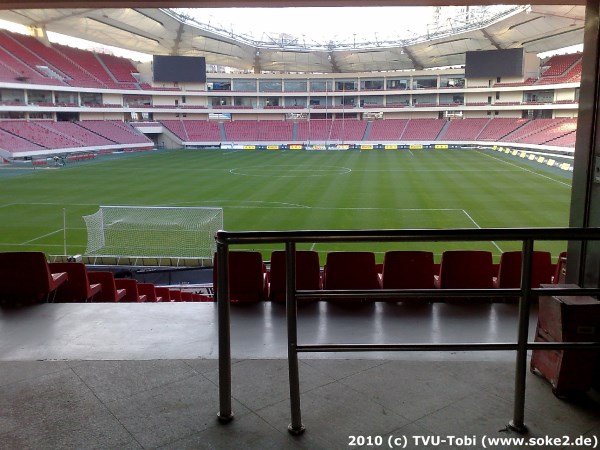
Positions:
(103, 65)
(443, 130)
(222, 132)
(367, 130)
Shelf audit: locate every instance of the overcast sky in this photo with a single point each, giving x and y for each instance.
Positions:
(321, 24)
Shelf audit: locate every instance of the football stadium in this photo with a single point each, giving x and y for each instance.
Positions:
(377, 140)
(191, 205)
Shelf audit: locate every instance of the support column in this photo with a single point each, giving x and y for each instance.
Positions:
(584, 259)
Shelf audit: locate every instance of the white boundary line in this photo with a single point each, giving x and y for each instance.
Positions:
(285, 205)
(432, 170)
(231, 152)
(473, 221)
(4, 244)
(41, 237)
(47, 204)
(477, 225)
(295, 172)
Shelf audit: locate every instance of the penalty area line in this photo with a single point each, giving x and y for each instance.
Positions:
(477, 225)
(42, 237)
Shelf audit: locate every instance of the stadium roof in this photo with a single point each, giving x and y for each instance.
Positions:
(536, 28)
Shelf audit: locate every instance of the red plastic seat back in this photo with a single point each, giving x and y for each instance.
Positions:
(350, 270)
(246, 276)
(408, 270)
(164, 293)
(131, 289)
(77, 288)
(308, 273)
(466, 269)
(109, 292)
(509, 270)
(175, 295)
(25, 275)
(149, 291)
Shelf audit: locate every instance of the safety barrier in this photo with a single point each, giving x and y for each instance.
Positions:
(527, 236)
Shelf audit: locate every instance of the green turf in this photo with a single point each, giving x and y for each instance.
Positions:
(288, 190)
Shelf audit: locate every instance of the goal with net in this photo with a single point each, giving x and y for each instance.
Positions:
(153, 231)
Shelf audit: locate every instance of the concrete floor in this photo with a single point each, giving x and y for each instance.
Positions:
(145, 376)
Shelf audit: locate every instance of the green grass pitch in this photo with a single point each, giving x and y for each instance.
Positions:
(290, 190)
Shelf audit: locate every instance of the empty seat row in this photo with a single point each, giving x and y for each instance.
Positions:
(28, 278)
(125, 289)
(99, 286)
(250, 281)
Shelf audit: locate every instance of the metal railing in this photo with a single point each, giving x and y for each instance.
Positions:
(527, 236)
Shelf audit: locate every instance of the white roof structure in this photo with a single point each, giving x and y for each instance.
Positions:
(536, 28)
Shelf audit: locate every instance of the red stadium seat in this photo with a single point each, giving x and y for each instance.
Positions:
(78, 287)
(465, 269)
(175, 295)
(109, 292)
(308, 273)
(27, 278)
(560, 269)
(509, 270)
(187, 296)
(164, 293)
(149, 290)
(408, 270)
(131, 290)
(201, 298)
(350, 270)
(246, 276)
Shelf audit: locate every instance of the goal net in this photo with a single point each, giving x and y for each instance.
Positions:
(153, 231)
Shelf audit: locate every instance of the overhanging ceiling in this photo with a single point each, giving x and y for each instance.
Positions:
(158, 31)
(12, 4)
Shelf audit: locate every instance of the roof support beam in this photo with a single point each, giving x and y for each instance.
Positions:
(257, 61)
(177, 40)
(416, 63)
(39, 32)
(490, 38)
(332, 60)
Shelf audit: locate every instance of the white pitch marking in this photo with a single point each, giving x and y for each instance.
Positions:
(50, 204)
(477, 225)
(41, 237)
(230, 152)
(295, 171)
(285, 205)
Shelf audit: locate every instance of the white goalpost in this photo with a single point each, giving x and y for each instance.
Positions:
(153, 231)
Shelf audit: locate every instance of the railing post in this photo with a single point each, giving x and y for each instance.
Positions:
(225, 414)
(521, 346)
(517, 423)
(296, 426)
